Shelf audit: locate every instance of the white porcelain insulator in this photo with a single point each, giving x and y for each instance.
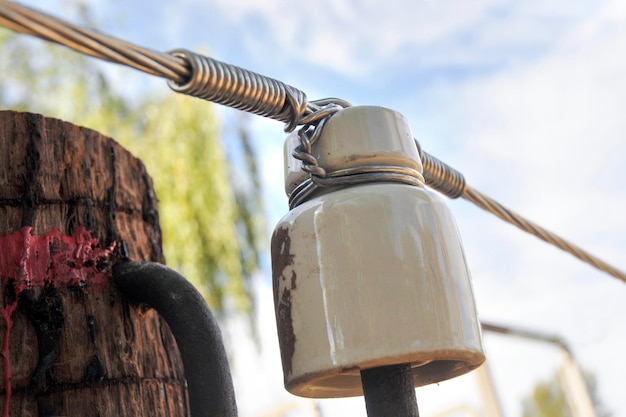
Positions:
(371, 275)
(356, 136)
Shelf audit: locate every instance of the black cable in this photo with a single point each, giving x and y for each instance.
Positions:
(197, 333)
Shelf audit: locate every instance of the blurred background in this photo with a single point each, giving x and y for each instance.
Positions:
(527, 99)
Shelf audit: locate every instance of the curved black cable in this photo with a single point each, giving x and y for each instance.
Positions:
(197, 333)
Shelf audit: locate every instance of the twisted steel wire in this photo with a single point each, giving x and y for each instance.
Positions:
(486, 203)
(50, 28)
(526, 334)
(206, 78)
(451, 183)
(186, 72)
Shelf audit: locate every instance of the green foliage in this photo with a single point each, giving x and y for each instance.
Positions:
(548, 399)
(210, 229)
(197, 205)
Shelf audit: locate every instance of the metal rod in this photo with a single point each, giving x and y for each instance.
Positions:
(389, 391)
(527, 334)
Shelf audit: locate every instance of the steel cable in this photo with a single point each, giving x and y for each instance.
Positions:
(50, 28)
(451, 183)
(186, 72)
(486, 203)
(236, 87)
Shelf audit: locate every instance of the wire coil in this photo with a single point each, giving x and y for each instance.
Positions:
(368, 174)
(320, 178)
(239, 88)
(441, 176)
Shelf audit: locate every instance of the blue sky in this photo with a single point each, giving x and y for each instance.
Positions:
(527, 99)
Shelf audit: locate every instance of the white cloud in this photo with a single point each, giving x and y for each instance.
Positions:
(362, 37)
(349, 36)
(547, 138)
(558, 119)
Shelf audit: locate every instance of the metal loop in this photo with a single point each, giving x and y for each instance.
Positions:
(332, 100)
(316, 133)
(367, 177)
(297, 107)
(315, 171)
(319, 112)
(354, 176)
(301, 193)
(319, 115)
(408, 175)
(306, 158)
(305, 142)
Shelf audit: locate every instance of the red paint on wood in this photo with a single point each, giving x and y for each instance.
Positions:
(29, 261)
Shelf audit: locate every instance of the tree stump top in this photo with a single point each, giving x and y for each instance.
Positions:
(71, 345)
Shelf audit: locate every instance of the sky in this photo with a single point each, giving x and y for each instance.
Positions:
(527, 99)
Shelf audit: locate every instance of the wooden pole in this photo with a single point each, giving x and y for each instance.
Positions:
(573, 382)
(488, 392)
(71, 200)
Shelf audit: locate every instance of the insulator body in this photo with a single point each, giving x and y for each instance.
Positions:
(373, 274)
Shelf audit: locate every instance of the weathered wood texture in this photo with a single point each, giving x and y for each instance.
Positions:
(107, 358)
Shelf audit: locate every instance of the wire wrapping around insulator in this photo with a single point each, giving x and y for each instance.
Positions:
(368, 174)
(311, 130)
(239, 88)
(441, 176)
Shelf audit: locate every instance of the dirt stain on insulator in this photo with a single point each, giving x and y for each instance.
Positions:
(281, 259)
